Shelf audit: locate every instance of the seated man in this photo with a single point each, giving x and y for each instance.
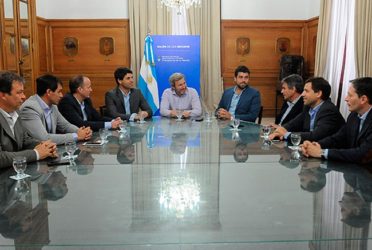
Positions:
(292, 88)
(241, 101)
(125, 101)
(353, 142)
(42, 119)
(77, 107)
(14, 141)
(319, 118)
(180, 97)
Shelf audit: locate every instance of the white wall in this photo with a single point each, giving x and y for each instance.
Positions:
(270, 9)
(82, 9)
(231, 9)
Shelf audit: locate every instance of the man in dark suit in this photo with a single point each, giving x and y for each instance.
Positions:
(241, 101)
(319, 118)
(292, 88)
(14, 141)
(78, 109)
(353, 142)
(125, 101)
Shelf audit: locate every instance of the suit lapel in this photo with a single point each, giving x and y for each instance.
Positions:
(77, 106)
(6, 127)
(367, 123)
(120, 97)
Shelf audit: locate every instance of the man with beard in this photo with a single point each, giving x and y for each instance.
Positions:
(180, 97)
(240, 102)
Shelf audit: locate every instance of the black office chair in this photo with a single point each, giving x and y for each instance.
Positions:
(259, 117)
(102, 110)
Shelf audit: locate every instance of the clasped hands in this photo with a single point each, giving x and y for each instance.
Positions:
(185, 114)
(223, 114)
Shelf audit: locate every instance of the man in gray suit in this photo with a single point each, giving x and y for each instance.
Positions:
(42, 118)
(14, 141)
(125, 101)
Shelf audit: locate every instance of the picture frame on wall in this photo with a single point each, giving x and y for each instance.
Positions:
(70, 46)
(283, 45)
(106, 46)
(242, 46)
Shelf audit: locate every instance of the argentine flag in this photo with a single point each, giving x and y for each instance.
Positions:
(147, 82)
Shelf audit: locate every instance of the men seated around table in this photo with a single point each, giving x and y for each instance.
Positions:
(241, 101)
(292, 88)
(125, 101)
(353, 142)
(42, 118)
(320, 116)
(14, 141)
(180, 97)
(78, 109)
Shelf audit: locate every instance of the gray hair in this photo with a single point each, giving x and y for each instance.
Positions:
(175, 77)
(294, 81)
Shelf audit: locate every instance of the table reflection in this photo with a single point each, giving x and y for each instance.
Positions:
(167, 183)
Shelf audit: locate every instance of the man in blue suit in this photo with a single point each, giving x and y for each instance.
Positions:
(241, 102)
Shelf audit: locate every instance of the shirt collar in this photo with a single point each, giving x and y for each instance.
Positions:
(43, 105)
(13, 115)
(364, 116)
(125, 95)
(241, 91)
(174, 92)
(317, 107)
(295, 100)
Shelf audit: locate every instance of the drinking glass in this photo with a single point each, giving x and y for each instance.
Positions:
(103, 134)
(295, 139)
(208, 116)
(179, 113)
(122, 128)
(236, 123)
(266, 129)
(141, 117)
(19, 165)
(70, 149)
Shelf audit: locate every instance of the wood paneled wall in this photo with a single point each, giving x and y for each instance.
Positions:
(264, 57)
(88, 60)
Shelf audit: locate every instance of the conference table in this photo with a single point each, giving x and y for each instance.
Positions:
(166, 184)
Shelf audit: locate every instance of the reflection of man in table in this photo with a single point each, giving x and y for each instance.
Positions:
(180, 97)
(126, 153)
(312, 176)
(241, 152)
(179, 143)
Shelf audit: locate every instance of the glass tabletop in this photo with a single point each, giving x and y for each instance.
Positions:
(187, 185)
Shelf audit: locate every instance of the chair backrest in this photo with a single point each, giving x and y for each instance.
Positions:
(291, 64)
(259, 117)
(102, 110)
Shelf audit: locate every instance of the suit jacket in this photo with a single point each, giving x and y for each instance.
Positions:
(71, 110)
(20, 144)
(114, 100)
(350, 145)
(248, 106)
(328, 121)
(34, 121)
(297, 109)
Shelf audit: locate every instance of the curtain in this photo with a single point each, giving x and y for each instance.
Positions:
(363, 37)
(335, 42)
(145, 16)
(206, 22)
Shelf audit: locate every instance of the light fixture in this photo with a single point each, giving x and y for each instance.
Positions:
(180, 4)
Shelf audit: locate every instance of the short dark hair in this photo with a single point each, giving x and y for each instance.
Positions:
(120, 73)
(363, 86)
(45, 82)
(242, 69)
(75, 83)
(320, 84)
(294, 81)
(6, 81)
